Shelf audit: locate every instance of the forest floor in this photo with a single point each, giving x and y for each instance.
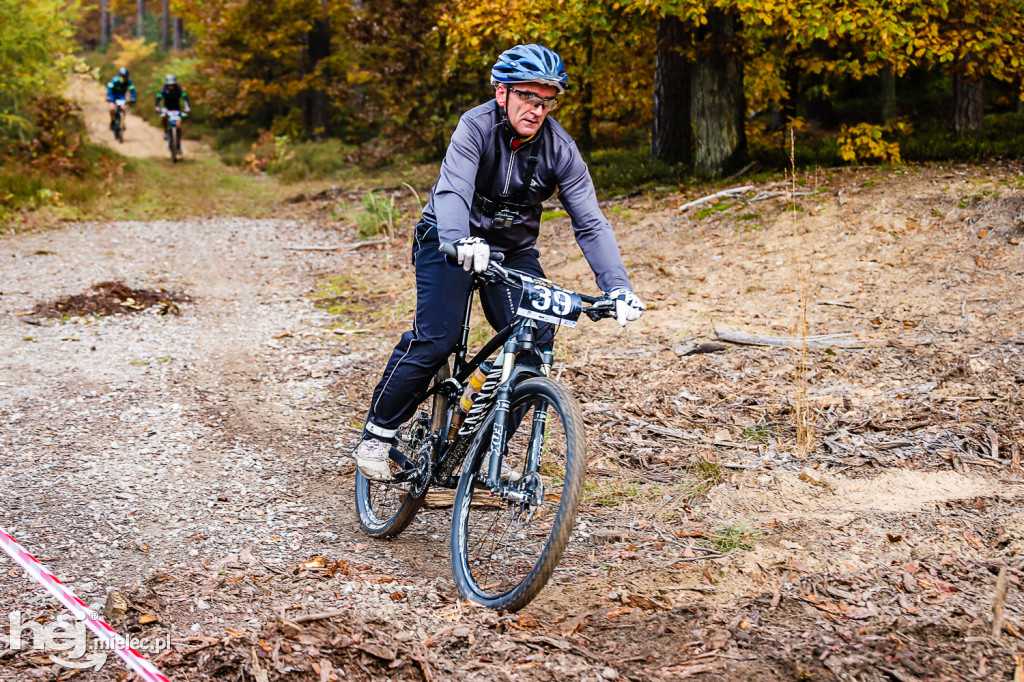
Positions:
(751, 512)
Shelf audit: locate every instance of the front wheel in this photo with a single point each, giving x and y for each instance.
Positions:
(505, 550)
(119, 131)
(386, 508)
(172, 140)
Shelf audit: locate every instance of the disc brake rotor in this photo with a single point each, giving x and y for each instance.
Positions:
(535, 498)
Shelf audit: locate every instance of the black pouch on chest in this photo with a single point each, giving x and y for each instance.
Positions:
(503, 213)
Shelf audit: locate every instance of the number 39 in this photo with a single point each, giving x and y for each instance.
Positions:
(562, 302)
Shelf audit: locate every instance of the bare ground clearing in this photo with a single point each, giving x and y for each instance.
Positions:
(191, 459)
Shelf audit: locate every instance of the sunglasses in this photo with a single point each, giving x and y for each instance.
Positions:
(532, 99)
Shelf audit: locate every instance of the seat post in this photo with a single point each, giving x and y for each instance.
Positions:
(460, 350)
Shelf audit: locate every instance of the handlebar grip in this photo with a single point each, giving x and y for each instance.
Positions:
(451, 253)
(448, 250)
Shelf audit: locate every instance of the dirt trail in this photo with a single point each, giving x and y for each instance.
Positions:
(192, 460)
(141, 140)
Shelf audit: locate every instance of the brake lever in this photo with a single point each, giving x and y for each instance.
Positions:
(602, 308)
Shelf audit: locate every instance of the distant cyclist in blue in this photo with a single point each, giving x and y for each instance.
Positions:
(505, 159)
(119, 87)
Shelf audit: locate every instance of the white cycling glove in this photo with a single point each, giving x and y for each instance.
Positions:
(473, 253)
(628, 306)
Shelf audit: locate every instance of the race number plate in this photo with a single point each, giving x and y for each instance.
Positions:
(548, 303)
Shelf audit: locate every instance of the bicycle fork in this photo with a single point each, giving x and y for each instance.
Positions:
(525, 491)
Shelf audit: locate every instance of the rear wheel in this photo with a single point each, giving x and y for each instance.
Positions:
(386, 508)
(505, 550)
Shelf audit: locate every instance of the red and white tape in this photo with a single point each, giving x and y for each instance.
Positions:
(80, 609)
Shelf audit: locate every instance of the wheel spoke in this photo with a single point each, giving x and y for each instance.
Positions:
(512, 547)
(386, 508)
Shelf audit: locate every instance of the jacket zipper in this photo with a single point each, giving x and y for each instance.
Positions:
(508, 176)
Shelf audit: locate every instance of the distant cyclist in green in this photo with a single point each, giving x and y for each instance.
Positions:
(172, 98)
(119, 87)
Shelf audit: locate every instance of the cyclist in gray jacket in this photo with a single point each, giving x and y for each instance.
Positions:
(505, 159)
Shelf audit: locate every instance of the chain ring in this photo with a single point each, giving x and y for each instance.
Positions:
(424, 468)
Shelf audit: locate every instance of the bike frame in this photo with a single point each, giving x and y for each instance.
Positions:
(515, 339)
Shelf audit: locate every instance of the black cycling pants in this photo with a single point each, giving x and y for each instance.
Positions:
(441, 293)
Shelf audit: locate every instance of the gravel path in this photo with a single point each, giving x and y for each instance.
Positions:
(142, 442)
(141, 140)
(192, 460)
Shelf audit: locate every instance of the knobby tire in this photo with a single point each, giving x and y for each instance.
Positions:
(384, 511)
(172, 139)
(493, 542)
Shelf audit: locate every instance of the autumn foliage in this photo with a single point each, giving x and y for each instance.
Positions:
(706, 75)
(404, 70)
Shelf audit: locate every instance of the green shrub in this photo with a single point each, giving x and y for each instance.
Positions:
(378, 216)
(865, 142)
(26, 186)
(1001, 136)
(618, 170)
(811, 147)
(309, 161)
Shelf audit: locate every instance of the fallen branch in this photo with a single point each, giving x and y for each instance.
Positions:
(819, 341)
(682, 435)
(698, 348)
(741, 171)
(998, 601)
(724, 193)
(324, 615)
(337, 247)
(785, 193)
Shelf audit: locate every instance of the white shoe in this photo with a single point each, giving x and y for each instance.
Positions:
(372, 459)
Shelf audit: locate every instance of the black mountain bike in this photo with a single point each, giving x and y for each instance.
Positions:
(119, 120)
(516, 457)
(174, 132)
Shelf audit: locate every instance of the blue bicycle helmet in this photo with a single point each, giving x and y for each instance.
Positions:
(530, 64)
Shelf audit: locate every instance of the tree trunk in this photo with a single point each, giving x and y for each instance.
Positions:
(140, 12)
(671, 134)
(967, 105)
(786, 110)
(318, 42)
(165, 24)
(717, 103)
(179, 31)
(819, 106)
(104, 24)
(888, 94)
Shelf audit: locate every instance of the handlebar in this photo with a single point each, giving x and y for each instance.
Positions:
(600, 306)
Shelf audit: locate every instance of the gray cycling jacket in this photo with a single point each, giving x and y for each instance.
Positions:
(478, 143)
